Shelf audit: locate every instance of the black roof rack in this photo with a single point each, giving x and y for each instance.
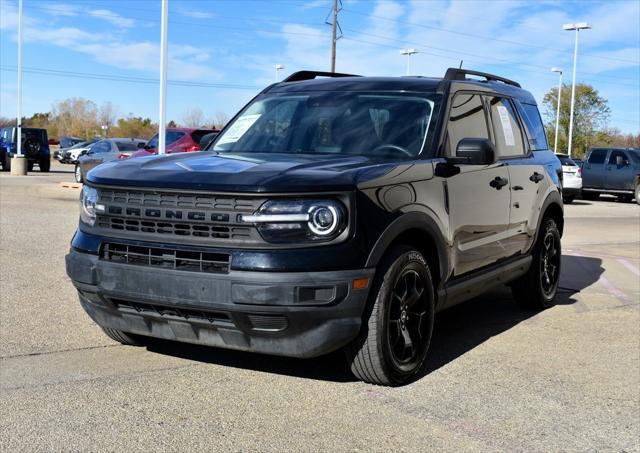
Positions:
(309, 75)
(460, 74)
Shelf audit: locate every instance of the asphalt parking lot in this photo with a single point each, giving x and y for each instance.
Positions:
(499, 378)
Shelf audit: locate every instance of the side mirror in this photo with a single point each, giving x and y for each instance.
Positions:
(474, 151)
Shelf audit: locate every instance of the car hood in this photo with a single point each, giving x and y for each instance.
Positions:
(248, 172)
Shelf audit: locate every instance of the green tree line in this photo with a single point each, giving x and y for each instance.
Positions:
(590, 121)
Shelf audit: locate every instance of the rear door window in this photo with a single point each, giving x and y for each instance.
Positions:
(614, 155)
(506, 128)
(598, 156)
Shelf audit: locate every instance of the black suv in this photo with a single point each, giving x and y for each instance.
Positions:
(333, 211)
(35, 147)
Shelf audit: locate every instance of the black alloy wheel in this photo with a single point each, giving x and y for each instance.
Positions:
(406, 329)
(549, 264)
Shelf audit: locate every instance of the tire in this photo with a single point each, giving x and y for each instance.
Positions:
(538, 287)
(128, 339)
(638, 194)
(30, 165)
(44, 164)
(591, 196)
(6, 162)
(78, 173)
(400, 313)
(568, 200)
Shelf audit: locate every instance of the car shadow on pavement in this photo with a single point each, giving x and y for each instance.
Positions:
(463, 327)
(457, 331)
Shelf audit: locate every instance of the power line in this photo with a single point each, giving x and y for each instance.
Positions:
(473, 35)
(128, 79)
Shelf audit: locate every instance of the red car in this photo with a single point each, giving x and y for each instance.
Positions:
(178, 140)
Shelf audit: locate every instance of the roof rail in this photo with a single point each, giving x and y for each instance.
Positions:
(460, 74)
(309, 75)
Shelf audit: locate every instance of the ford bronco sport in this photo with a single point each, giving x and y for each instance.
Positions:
(332, 212)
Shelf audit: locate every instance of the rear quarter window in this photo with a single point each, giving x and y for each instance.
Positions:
(533, 123)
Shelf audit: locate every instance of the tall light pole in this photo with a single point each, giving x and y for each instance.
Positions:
(162, 122)
(577, 27)
(555, 145)
(408, 53)
(19, 164)
(278, 68)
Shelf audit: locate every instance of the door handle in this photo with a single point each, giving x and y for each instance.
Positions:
(498, 182)
(536, 177)
(518, 188)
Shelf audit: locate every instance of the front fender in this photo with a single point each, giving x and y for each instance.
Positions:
(406, 222)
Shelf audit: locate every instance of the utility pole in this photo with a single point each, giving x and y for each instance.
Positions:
(334, 30)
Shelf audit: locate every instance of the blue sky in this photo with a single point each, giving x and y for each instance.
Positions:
(223, 51)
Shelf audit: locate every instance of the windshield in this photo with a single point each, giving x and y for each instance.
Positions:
(370, 124)
(82, 144)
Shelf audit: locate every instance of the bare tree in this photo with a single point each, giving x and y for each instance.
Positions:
(107, 116)
(75, 116)
(193, 117)
(220, 118)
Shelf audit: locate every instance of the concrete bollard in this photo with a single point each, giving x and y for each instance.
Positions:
(18, 165)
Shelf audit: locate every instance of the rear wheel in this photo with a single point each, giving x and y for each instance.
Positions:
(396, 332)
(30, 165)
(78, 173)
(537, 288)
(6, 162)
(125, 338)
(45, 164)
(638, 194)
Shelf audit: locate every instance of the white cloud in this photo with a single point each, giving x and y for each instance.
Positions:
(193, 14)
(113, 18)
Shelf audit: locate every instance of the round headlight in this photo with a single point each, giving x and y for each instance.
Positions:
(323, 220)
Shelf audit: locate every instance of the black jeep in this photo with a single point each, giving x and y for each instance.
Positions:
(332, 212)
(35, 147)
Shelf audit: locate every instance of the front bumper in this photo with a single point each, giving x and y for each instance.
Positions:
(296, 314)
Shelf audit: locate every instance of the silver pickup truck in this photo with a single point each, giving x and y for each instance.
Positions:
(614, 171)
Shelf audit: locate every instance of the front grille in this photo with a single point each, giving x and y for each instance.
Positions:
(168, 312)
(182, 260)
(198, 218)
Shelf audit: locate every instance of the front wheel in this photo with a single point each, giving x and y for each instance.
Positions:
(396, 331)
(78, 173)
(638, 194)
(537, 288)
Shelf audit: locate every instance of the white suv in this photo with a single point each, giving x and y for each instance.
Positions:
(571, 178)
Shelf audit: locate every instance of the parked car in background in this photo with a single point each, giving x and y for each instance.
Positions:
(105, 151)
(571, 178)
(70, 155)
(178, 140)
(35, 147)
(68, 142)
(614, 171)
